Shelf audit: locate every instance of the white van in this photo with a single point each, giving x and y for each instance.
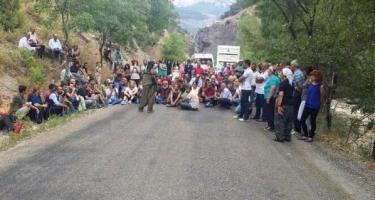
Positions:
(204, 59)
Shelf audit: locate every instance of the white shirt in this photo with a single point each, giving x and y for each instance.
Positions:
(130, 91)
(135, 76)
(113, 94)
(54, 44)
(24, 43)
(226, 94)
(249, 76)
(260, 86)
(193, 99)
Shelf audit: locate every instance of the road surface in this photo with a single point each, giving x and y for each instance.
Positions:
(118, 153)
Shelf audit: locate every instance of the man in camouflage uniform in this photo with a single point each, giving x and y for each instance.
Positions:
(149, 89)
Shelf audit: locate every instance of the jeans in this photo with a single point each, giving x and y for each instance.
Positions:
(161, 100)
(113, 101)
(313, 113)
(259, 104)
(296, 102)
(90, 103)
(187, 106)
(226, 103)
(245, 104)
(269, 111)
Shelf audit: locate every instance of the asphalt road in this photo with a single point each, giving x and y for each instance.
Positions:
(119, 153)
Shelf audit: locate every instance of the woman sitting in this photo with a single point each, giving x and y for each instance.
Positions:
(190, 101)
(174, 96)
(111, 93)
(130, 94)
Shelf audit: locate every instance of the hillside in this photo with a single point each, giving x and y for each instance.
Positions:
(201, 14)
(223, 32)
(15, 64)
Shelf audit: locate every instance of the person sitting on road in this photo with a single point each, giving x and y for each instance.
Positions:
(111, 93)
(163, 93)
(198, 80)
(24, 43)
(190, 101)
(209, 95)
(130, 94)
(174, 96)
(135, 76)
(225, 98)
(199, 71)
(83, 91)
(55, 46)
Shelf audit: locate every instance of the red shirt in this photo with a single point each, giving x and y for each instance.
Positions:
(209, 91)
(199, 70)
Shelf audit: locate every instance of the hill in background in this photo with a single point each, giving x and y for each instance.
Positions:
(201, 14)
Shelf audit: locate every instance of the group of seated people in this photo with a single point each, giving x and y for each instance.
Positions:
(32, 43)
(201, 86)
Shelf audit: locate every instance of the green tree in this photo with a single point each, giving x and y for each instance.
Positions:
(336, 36)
(174, 48)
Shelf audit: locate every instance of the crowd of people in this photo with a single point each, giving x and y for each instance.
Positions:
(283, 96)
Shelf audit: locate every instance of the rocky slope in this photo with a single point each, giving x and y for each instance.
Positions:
(223, 32)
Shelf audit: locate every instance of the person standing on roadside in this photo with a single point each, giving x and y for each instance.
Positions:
(270, 92)
(314, 99)
(298, 81)
(260, 80)
(149, 89)
(284, 105)
(246, 80)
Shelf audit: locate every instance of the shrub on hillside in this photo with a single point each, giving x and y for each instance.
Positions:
(33, 66)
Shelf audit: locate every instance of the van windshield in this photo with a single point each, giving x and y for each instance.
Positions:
(205, 61)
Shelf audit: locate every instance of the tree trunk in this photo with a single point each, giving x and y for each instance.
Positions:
(65, 28)
(104, 39)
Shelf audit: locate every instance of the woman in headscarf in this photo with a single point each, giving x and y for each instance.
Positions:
(284, 105)
(149, 89)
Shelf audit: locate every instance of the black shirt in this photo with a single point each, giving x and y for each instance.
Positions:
(288, 93)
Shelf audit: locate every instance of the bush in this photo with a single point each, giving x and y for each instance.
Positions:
(33, 66)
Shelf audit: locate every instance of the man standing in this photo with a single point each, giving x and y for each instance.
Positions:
(260, 80)
(149, 89)
(298, 81)
(55, 45)
(246, 80)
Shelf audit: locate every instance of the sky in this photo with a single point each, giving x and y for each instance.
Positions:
(183, 3)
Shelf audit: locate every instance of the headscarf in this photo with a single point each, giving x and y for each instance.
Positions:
(289, 75)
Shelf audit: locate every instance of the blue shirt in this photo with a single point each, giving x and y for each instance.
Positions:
(34, 98)
(271, 81)
(313, 97)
